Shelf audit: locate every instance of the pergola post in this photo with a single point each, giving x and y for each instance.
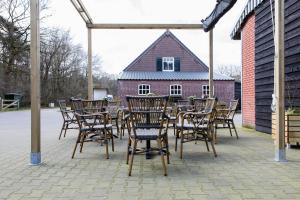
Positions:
(90, 69)
(211, 64)
(279, 81)
(35, 156)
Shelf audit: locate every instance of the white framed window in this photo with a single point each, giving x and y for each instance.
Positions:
(205, 90)
(168, 64)
(143, 89)
(175, 90)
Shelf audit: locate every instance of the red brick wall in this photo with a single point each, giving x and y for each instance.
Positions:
(167, 47)
(248, 79)
(224, 90)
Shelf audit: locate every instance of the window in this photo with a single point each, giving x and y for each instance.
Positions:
(205, 90)
(143, 89)
(175, 90)
(168, 63)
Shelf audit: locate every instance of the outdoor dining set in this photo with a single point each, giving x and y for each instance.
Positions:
(147, 119)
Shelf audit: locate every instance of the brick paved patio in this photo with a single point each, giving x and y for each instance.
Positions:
(244, 168)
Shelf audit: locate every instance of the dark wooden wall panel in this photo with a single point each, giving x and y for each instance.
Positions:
(264, 60)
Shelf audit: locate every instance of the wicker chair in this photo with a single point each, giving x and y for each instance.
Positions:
(225, 117)
(148, 121)
(68, 117)
(94, 127)
(199, 104)
(94, 106)
(197, 126)
(113, 108)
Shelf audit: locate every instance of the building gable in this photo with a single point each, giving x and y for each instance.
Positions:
(167, 45)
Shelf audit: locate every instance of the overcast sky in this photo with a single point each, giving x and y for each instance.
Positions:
(118, 48)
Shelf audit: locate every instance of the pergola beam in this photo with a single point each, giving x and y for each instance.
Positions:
(145, 26)
(82, 11)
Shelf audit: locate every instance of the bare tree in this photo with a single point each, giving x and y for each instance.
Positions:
(14, 43)
(233, 71)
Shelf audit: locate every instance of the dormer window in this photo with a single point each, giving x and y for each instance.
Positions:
(168, 64)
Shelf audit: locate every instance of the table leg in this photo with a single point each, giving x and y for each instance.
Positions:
(148, 149)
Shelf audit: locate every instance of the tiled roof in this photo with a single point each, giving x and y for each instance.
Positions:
(137, 75)
(249, 8)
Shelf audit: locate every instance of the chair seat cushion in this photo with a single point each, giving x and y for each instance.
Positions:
(101, 126)
(185, 126)
(147, 134)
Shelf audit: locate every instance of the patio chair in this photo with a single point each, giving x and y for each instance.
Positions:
(124, 120)
(77, 106)
(94, 127)
(68, 117)
(94, 106)
(172, 114)
(113, 108)
(199, 104)
(225, 117)
(148, 121)
(197, 126)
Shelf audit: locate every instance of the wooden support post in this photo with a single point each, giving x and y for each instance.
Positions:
(211, 64)
(144, 26)
(35, 156)
(279, 81)
(90, 68)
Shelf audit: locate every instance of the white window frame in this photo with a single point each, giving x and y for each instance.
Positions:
(142, 89)
(177, 91)
(169, 61)
(205, 90)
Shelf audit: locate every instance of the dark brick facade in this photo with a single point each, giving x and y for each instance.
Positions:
(223, 89)
(167, 46)
(170, 46)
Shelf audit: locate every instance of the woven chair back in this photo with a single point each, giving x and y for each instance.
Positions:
(147, 112)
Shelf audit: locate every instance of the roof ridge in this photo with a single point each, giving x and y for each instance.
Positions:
(188, 50)
(168, 33)
(146, 50)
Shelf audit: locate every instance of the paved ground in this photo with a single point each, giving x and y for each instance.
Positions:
(244, 168)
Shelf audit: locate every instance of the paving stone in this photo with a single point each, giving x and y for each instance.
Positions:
(244, 168)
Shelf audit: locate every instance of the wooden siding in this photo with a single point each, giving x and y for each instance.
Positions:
(264, 60)
(238, 93)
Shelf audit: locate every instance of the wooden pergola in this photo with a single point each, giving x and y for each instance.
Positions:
(35, 156)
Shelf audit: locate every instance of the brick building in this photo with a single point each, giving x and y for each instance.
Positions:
(168, 67)
(255, 29)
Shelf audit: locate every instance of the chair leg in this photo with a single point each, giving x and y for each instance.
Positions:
(106, 143)
(174, 127)
(213, 147)
(215, 133)
(228, 124)
(162, 156)
(118, 130)
(167, 149)
(112, 141)
(206, 142)
(81, 143)
(131, 158)
(66, 128)
(62, 128)
(181, 146)
(233, 125)
(128, 149)
(176, 139)
(77, 141)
